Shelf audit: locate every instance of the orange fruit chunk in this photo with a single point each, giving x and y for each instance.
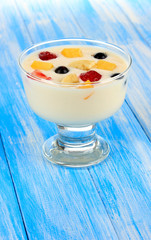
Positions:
(88, 96)
(86, 84)
(72, 52)
(42, 65)
(104, 65)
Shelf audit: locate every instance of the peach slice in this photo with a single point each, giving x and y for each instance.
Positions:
(104, 65)
(42, 65)
(72, 52)
(86, 84)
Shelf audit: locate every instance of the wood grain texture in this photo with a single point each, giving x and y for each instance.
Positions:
(107, 22)
(138, 13)
(126, 198)
(56, 203)
(124, 181)
(11, 225)
(109, 201)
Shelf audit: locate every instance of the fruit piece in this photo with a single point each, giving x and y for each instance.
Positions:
(41, 65)
(47, 55)
(86, 84)
(92, 76)
(82, 64)
(115, 74)
(104, 65)
(39, 74)
(71, 52)
(71, 78)
(88, 96)
(61, 70)
(100, 55)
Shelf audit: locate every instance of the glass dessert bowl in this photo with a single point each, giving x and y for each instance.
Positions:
(75, 83)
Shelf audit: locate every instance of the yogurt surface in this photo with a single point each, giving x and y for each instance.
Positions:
(53, 98)
(88, 54)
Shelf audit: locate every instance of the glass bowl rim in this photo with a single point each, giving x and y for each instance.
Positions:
(107, 80)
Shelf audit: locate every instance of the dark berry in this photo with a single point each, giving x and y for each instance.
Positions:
(47, 56)
(92, 76)
(116, 74)
(61, 70)
(100, 55)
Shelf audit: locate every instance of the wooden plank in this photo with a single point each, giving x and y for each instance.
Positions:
(11, 224)
(138, 13)
(28, 138)
(56, 203)
(107, 22)
(124, 181)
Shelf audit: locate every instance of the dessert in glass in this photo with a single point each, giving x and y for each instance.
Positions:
(75, 83)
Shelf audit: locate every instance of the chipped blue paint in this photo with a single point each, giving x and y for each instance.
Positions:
(108, 201)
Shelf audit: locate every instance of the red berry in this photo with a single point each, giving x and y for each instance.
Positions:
(91, 75)
(39, 74)
(47, 56)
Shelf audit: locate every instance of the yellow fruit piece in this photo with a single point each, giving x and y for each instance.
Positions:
(86, 84)
(104, 65)
(71, 78)
(71, 52)
(42, 65)
(82, 64)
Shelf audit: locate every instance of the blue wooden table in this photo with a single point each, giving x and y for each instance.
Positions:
(111, 200)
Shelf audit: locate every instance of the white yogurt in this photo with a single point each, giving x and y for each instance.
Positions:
(71, 105)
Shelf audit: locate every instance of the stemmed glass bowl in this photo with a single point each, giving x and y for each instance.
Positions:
(75, 110)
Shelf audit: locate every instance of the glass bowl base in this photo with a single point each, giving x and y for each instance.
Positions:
(76, 156)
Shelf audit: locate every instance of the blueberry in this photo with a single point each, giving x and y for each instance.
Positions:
(116, 74)
(61, 70)
(100, 55)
